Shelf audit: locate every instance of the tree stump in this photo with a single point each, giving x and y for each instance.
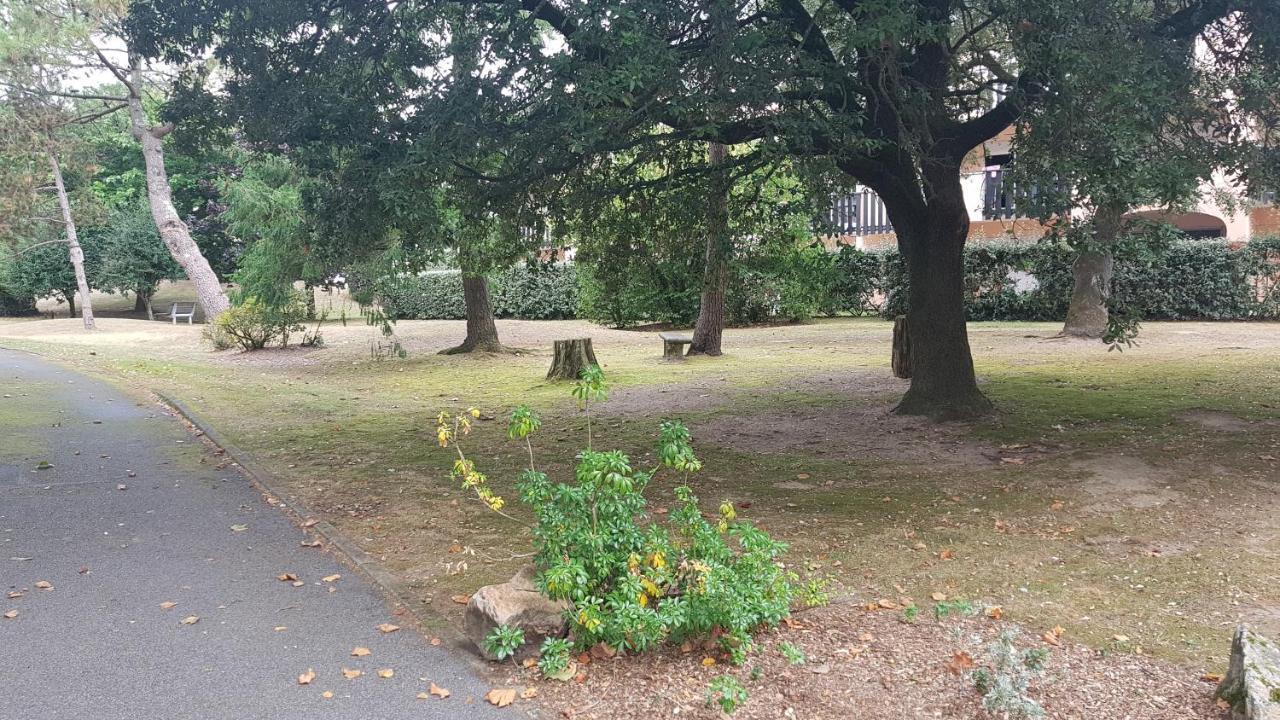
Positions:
(571, 358)
(901, 348)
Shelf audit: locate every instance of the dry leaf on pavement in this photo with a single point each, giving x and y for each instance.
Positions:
(360, 652)
(168, 605)
(439, 691)
(44, 585)
(386, 673)
(11, 614)
(350, 674)
(191, 620)
(331, 578)
(388, 627)
(501, 697)
(306, 677)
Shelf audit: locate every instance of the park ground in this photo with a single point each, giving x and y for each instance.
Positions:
(1125, 503)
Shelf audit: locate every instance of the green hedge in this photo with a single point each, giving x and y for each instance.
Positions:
(525, 292)
(13, 306)
(1162, 278)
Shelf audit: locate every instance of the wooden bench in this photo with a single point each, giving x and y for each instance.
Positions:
(177, 311)
(673, 344)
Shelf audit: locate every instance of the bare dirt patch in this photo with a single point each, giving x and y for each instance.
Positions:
(1123, 481)
(850, 432)
(876, 666)
(1214, 420)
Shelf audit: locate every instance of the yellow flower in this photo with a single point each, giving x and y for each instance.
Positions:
(474, 413)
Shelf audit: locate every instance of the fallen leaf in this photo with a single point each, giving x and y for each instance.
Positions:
(435, 641)
(528, 662)
(351, 674)
(461, 599)
(310, 523)
(306, 677)
(995, 612)
(960, 662)
(529, 693)
(327, 694)
(1052, 636)
(286, 577)
(388, 627)
(947, 554)
(501, 697)
(1120, 638)
(803, 476)
(239, 528)
(454, 548)
(1057, 505)
(386, 673)
(280, 628)
(423, 696)
(939, 597)
(11, 614)
(887, 604)
(44, 585)
(360, 652)
(1211, 677)
(439, 691)
(298, 583)
(708, 661)
(191, 620)
(311, 543)
(331, 578)
(14, 594)
(168, 605)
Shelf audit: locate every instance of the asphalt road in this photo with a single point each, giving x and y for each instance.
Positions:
(129, 517)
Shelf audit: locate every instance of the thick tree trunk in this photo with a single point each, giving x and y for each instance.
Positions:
(708, 332)
(571, 358)
(932, 236)
(1092, 271)
(173, 231)
(139, 301)
(482, 331)
(70, 295)
(900, 359)
(74, 250)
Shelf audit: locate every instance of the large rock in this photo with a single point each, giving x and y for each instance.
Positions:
(1252, 684)
(517, 603)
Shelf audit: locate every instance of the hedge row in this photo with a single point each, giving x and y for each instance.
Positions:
(1166, 280)
(525, 292)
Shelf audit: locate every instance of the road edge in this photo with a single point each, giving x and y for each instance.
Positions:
(392, 588)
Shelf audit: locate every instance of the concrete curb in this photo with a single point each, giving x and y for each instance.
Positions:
(396, 591)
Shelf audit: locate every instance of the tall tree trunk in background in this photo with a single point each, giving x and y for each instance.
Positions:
(74, 250)
(310, 291)
(709, 330)
(482, 330)
(1092, 271)
(931, 236)
(139, 301)
(173, 231)
(70, 295)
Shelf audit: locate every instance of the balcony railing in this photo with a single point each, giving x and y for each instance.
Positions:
(1004, 199)
(857, 213)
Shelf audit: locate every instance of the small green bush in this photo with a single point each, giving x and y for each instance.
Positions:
(632, 582)
(252, 324)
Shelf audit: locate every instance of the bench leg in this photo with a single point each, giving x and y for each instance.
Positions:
(672, 349)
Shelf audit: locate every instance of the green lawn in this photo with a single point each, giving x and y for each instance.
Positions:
(1128, 494)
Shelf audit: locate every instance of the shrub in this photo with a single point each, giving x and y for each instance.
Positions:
(631, 582)
(253, 324)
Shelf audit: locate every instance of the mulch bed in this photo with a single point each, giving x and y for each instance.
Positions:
(871, 665)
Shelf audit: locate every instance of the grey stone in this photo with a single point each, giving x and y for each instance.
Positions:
(516, 603)
(1252, 684)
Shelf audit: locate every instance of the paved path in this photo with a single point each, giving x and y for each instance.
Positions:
(98, 645)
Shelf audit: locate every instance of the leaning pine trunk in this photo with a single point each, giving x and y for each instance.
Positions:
(482, 330)
(943, 385)
(74, 250)
(173, 231)
(708, 332)
(1092, 271)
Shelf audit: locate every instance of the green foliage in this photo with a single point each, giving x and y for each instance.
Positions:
(553, 659)
(252, 324)
(134, 259)
(1006, 676)
(726, 692)
(948, 607)
(533, 291)
(814, 592)
(633, 583)
(793, 654)
(42, 271)
(503, 641)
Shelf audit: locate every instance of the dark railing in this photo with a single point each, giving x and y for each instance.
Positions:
(1004, 199)
(857, 213)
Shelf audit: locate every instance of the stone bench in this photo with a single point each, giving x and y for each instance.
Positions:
(673, 344)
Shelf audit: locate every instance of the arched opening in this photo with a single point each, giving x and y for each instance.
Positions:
(1195, 224)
